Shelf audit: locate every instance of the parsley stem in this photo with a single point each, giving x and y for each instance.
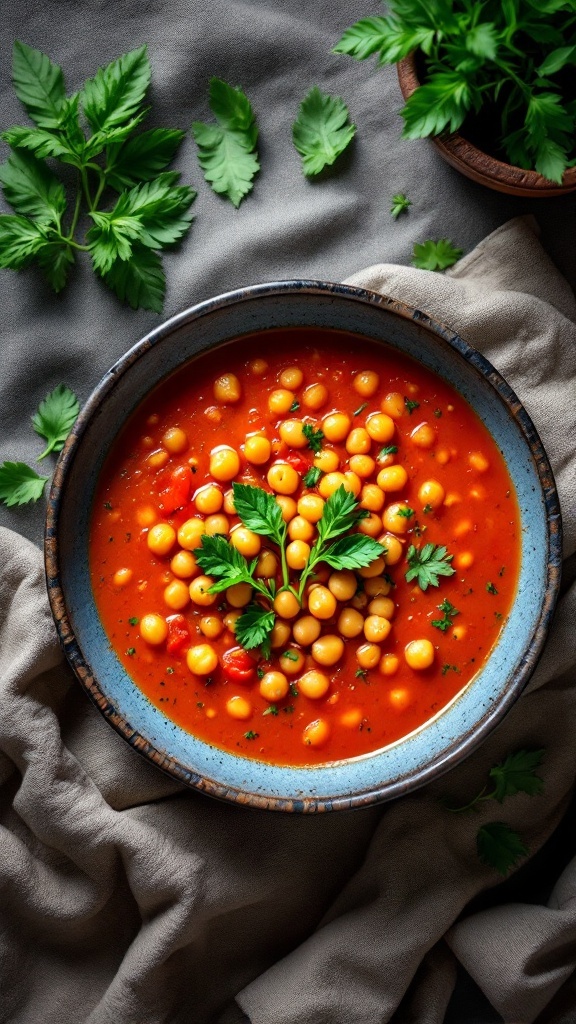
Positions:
(70, 241)
(75, 216)
(479, 798)
(86, 188)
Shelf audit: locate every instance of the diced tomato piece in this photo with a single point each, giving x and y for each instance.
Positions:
(238, 665)
(177, 493)
(298, 462)
(178, 633)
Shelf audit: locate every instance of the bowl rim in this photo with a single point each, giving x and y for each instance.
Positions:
(463, 745)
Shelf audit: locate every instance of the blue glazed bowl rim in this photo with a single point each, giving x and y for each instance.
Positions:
(480, 729)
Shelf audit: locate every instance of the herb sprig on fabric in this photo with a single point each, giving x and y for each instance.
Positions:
(322, 130)
(92, 131)
(227, 151)
(438, 255)
(260, 512)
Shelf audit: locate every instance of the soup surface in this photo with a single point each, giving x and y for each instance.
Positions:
(368, 579)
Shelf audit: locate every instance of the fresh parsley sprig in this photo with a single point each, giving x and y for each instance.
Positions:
(20, 484)
(447, 620)
(427, 564)
(322, 131)
(92, 131)
(227, 151)
(400, 204)
(438, 255)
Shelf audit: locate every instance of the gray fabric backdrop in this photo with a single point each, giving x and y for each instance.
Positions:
(288, 227)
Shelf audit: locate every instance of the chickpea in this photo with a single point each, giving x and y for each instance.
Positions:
(311, 507)
(392, 478)
(371, 526)
(350, 622)
(224, 463)
(459, 632)
(376, 568)
(286, 604)
(239, 595)
(316, 733)
(239, 708)
(376, 628)
(376, 586)
(216, 524)
(211, 626)
(198, 591)
(291, 432)
(393, 405)
(288, 506)
(443, 456)
(352, 483)
(157, 459)
(230, 620)
(267, 566)
(362, 465)
(161, 539)
(380, 427)
(280, 635)
(321, 603)
(368, 655)
(431, 493)
(423, 436)
(176, 595)
(146, 516)
(358, 441)
(213, 413)
(147, 442)
(478, 461)
(314, 684)
(273, 686)
(175, 440)
(283, 478)
(330, 482)
(153, 629)
(245, 541)
(399, 698)
(229, 506)
(366, 383)
(122, 577)
(359, 601)
(292, 662)
(208, 499)
(227, 389)
(297, 554)
(343, 584)
(328, 649)
(327, 460)
(419, 654)
(183, 565)
(315, 396)
(463, 527)
(336, 426)
(280, 401)
(394, 549)
(452, 498)
(464, 560)
(389, 664)
(372, 498)
(300, 528)
(306, 630)
(257, 449)
(292, 377)
(351, 719)
(383, 606)
(395, 517)
(258, 367)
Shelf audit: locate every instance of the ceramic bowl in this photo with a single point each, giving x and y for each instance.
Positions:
(460, 727)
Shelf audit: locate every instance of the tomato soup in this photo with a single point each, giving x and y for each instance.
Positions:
(230, 620)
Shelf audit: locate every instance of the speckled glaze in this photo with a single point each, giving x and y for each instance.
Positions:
(480, 166)
(440, 743)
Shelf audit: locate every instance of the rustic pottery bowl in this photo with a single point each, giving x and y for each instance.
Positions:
(465, 722)
(465, 157)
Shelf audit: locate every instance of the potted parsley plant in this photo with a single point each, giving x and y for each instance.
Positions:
(493, 84)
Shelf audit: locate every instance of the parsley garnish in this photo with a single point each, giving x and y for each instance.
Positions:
(108, 506)
(131, 651)
(361, 673)
(360, 409)
(406, 512)
(410, 405)
(151, 213)
(491, 588)
(447, 619)
(55, 418)
(260, 672)
(389, 449)
(435, 255)
(227, 151)
(499, 846)
(400, 204)
(449, 668)
(295, 406)
(169, 671)
(437, 413)
(516, 774)
(293, 690)
(427, 564)
(291, 655)
(427, 509)
(133, 621)
(250, 735)
(311, 478)
(314, 437)
(321, 131)
(272, 710)
(20, 484)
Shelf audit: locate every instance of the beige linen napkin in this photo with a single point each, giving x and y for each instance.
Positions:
(126, 899)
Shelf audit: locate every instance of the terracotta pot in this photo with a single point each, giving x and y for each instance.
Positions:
(479, 166)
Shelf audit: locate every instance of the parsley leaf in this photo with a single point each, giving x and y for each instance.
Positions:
(340, 514)
(364, 38)
(55, 418)
(271, 710)
(438, 255)
(389, 449)
(227, 151)
(31, 188)
(321, 132)
(20, 484)
(400, 204)
(405, 512)
(142, 157)
(440, 103)
(38, 141)
(39, 85)
(353, 552)
(447, 619)
(410, 405)
(311, 478)
(250, 735)
(314, 437)
(499, 846)
(253, 628)
(259, 511)
(20, 240)
(491, 588)
(427, 564)
(55, 260)
(139, 281)
(217, 557)
(517, 774)
(116, 91)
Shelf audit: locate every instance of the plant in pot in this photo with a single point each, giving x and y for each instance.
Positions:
(503, 71)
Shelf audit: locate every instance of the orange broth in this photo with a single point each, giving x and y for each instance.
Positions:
(477, 521)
